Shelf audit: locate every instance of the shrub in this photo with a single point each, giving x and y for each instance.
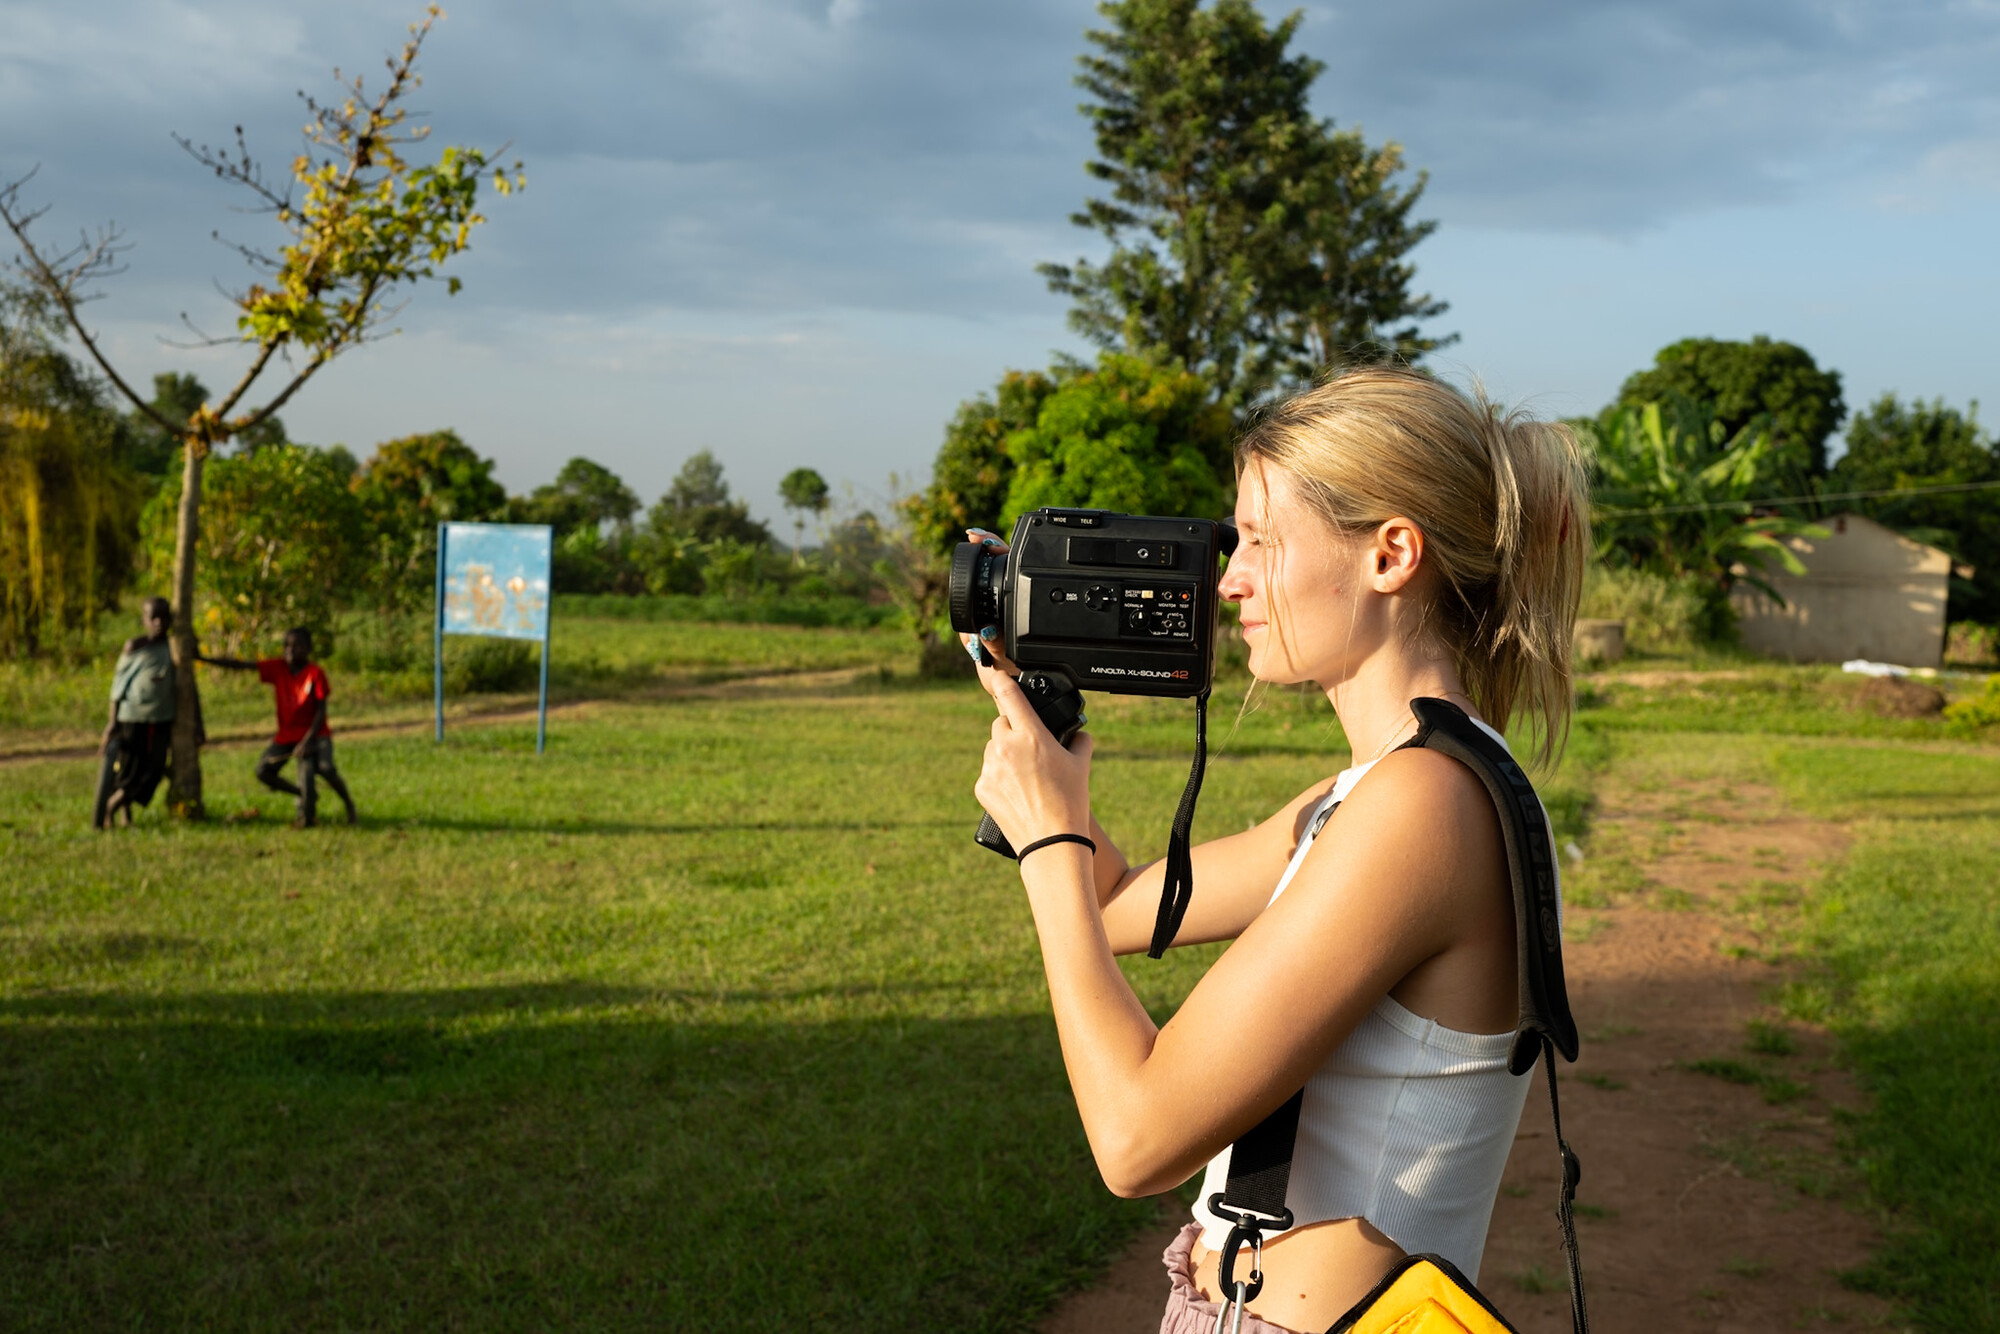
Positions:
(1662, 614)
(764, 607)
(1972, 644)
(1976, 712)
(493, 666)
(282, 539)
(1126, 435)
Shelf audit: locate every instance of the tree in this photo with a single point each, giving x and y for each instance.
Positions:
(970, 478)
(407, 488)
(1335, 289)
(1672, 491)
(1895, 446)
(178, 398)
(584, 494)
(1251, 242)
(699, 484)
(68, 503)
(1125, 435)
(696, 538)
(283, 539)
(697, 506)
(1737, 383)
(590, 509)
(804, 492)
(366, 223)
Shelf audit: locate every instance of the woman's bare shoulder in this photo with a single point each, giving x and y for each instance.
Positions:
(1420, 808)
(1414, 773)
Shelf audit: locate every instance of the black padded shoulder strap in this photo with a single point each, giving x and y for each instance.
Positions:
(1443, 727)
(1260, 1163)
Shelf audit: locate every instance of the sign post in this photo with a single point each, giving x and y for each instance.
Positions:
(493, 580)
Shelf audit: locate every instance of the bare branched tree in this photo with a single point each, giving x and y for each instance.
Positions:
(360, 220)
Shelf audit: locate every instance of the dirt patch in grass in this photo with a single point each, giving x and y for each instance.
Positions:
(1713, 1196)
(1892, 697)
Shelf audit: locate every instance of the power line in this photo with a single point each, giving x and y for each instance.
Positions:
(1800, 500)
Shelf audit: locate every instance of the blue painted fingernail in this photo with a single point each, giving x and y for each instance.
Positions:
(974, 651)
(989, 632)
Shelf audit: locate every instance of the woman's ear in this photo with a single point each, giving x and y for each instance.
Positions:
(1397, 553)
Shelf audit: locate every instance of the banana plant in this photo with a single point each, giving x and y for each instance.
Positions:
(1674, 494)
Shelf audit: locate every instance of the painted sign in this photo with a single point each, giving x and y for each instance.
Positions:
(493, 579)
(496, 579)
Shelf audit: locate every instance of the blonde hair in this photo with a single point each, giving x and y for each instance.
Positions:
(1503, 503)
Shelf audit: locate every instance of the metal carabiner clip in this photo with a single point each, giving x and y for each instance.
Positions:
(1235, 1303)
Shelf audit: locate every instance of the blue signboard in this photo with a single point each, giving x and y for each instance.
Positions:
(493, 579)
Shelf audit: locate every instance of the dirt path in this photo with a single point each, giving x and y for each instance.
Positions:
(1708, 1205)
(724, 689)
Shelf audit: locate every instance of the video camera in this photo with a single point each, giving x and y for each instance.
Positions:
(1124, 603)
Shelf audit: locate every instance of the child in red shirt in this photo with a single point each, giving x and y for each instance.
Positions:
(301, 688)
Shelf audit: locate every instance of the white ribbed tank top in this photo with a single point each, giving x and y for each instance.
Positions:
(1408, 1124)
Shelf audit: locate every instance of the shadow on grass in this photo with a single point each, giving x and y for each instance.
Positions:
(1930, 1150)
(618, 827)
(533, 1157)
(378, 823)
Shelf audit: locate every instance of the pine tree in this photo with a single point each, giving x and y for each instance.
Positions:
(1252, 243)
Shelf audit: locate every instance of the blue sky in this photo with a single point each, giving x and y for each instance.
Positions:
(800, 232)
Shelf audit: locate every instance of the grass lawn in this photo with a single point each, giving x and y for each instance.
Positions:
(1907, 935)
(50, 706)
(715, 1011)
(715, 1008)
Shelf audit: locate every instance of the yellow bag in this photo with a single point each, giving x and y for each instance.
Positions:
(1423, 1294)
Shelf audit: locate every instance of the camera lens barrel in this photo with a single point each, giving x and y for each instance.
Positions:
(972, 597)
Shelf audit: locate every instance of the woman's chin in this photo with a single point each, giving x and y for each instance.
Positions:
(1270, 673)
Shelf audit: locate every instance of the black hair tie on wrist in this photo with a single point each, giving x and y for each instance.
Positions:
(1022, 855)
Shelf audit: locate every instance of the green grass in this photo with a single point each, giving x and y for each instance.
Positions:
(1907, 934)
(715, 1009)
(1750, 697)
(50, 705)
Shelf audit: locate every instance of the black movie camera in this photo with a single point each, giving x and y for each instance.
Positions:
(1090, 600)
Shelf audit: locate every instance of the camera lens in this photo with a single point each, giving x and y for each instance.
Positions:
(973, 595)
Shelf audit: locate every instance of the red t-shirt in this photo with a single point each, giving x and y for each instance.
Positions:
(299, 694)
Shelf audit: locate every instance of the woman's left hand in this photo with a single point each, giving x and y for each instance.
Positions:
(1031, 786)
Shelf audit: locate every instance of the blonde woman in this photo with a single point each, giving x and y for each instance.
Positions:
(1399, 540)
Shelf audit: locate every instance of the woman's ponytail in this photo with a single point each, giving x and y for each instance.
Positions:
(1502, 500)
(1541, 542)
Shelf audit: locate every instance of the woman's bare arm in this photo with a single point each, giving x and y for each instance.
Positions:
(1409, 872)
(1384, 891)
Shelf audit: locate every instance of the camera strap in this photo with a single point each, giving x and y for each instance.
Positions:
(1178, 891)
(1260, 1163)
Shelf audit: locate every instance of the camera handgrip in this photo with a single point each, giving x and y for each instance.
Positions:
(1060, 707)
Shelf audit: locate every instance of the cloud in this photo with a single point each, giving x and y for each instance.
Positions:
(920, 155)
(1580, 115)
